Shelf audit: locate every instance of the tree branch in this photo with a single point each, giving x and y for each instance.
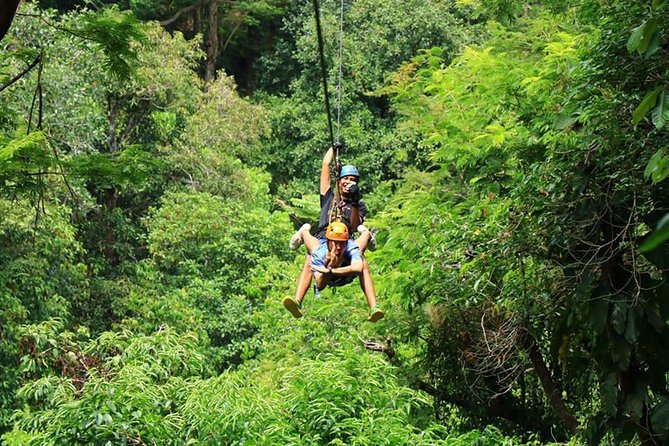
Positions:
(550, 388)
(378, 347)
(232, 33)
(23, 73)
(178, 14)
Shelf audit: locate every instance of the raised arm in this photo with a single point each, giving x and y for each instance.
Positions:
(325, 171)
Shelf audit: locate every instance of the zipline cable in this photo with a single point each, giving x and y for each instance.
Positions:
(335, 213)
(324, 72)
(339, 59)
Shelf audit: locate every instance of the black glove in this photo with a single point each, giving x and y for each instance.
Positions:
(354, 193)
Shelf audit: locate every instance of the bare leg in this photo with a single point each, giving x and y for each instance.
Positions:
(310, 242)
(304, 280)
(367, 284)
(362, 240)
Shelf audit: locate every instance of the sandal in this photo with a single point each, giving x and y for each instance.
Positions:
(293, 306)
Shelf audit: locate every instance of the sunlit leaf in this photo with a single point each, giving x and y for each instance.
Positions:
(657, 168)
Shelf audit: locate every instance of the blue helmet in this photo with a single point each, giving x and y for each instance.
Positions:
(348, 170)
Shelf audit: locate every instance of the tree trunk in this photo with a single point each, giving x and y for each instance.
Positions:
(197, 21)
(549, 386)
(108, 197)
(211, 43)
(7, 13)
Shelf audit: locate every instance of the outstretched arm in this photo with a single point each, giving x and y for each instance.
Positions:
(354, 268)
(325, 170)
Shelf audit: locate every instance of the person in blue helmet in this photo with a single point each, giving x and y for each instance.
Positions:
(352, 212)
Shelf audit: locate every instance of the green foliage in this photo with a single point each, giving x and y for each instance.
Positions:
(208, 248)
(377, 38)
(531, 222)
(121, 388)
(222, 108)
(645, 38)
(114, 31)
(118, 388)
(517, 166)
(25, 161)
(123, 171)
(41, 277)
(207, 235)
(658, 166)
(301, 403)
(657, 237)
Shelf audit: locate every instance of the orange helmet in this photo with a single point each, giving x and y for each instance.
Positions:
(337, 231)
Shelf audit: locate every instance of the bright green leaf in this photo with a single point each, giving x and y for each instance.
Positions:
(646, 105)
(658, 166)
(654, 163)
(642, 36)
(661, 110)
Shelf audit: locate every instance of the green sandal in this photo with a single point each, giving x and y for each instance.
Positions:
(376, 313)
(293, 306)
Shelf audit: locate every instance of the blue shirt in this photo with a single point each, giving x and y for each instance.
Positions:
(352, 253)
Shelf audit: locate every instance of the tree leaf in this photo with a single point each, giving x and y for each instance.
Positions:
(621, 351)
(632, 330)
(654, 163)
(660, 417)
(619, 317)
(597, 317)
(657, 4)
(661, 110)
(648, 102)
(642, 36)
(657, 237)
(654, 44)
(608, 391)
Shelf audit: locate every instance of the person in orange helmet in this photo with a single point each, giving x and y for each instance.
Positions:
(337, 260)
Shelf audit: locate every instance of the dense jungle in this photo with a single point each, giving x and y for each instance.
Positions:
(156, 156)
